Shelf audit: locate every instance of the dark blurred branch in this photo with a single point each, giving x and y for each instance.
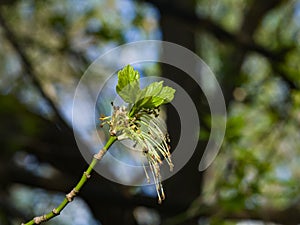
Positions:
(285, 76)
(11, 37)
(252, 20)
(288, 216)
(7, 2)
(201, 23)
(243, 39)
(256, 13)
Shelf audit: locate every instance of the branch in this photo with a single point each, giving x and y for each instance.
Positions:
(98, 193)
(201, 23)
(256, 13)
(252, 20)
(242, 40)
(72, 194)
(11, 37)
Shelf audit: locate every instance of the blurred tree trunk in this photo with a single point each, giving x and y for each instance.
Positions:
(185, 186)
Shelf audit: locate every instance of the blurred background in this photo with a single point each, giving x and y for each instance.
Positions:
(252, 46)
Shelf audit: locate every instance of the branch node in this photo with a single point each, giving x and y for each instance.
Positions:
(100, 154)
(71, 195)
(39, 219)
(87, 175)
(55, 212)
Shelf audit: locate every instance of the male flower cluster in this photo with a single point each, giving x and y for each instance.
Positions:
(139, 122)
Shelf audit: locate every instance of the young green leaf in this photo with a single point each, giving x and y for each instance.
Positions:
(151, 97)
(145, 98)
(128, 86)
(167, 93)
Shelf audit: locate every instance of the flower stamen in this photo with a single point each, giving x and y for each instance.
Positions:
(146, 130)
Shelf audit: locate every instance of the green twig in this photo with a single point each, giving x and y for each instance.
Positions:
(70, 196)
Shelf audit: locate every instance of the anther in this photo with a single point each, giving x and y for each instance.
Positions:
(159, 200)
